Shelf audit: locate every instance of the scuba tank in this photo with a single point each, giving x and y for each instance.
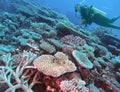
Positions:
(99, 11)
(95, 9)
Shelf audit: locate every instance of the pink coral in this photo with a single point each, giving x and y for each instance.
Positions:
(73, 85)
(73, 40)
(67, 49)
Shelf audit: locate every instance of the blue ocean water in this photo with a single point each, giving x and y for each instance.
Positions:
(111, 7)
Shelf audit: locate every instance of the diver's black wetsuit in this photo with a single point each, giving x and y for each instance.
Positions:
(90, 16)
(86, 14)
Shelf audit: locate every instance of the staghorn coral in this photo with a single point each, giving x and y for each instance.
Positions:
(73, 85)
(54, 65)
(15, 76)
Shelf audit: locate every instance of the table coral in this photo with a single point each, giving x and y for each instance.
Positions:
(82, 59)
(47, 47)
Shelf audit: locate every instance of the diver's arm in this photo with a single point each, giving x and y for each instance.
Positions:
(90, 14)
(87, 15)
(89, 10)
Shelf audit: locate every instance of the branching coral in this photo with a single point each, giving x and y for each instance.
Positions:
(15, 76)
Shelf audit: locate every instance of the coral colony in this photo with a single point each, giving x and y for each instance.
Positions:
(42, 51)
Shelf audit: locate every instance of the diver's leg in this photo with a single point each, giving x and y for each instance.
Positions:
(112, 26)
(114, 19)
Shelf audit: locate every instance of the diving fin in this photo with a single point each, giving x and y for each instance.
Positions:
(114, 19)
(116, 27)
(113, 26)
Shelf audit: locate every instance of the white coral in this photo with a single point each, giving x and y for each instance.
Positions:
(11, 72)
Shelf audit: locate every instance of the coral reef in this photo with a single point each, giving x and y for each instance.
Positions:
(41, 50)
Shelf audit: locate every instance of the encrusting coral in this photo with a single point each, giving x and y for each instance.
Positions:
(54, 65)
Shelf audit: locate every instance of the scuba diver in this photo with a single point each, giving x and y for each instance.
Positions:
(91, 14)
